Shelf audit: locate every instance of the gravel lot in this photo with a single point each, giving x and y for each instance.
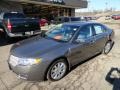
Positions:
(90, 75)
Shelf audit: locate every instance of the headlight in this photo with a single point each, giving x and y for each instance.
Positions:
(23, 61)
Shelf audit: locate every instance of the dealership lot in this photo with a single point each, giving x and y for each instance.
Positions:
(89, 75)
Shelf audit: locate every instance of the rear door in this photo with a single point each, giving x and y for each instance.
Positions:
(100, 37)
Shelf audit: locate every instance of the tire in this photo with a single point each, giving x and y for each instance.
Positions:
(1, 33)
(55, 72)
(107, 48)
(7, 38)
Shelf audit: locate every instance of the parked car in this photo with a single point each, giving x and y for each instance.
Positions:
(87, 18)
(116, 17)
(59, 20)
(108, 17)
(47, 25)
(15, 24)
(53, 54)
(43, 22)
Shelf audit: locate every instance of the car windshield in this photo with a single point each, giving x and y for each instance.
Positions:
(62, 32)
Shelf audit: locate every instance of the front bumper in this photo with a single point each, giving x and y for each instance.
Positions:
(30, 73)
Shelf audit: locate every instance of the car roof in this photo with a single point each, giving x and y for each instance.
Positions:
(80, 23)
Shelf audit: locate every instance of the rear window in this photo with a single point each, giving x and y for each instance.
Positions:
(75, 19)
(14, 15)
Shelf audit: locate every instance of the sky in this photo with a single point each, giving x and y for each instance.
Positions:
(101, 5)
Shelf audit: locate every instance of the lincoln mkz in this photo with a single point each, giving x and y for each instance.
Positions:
(51, 55)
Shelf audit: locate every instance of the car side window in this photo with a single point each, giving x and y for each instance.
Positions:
(84, 34)
(99, 29)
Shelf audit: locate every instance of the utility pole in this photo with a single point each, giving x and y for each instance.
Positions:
(89, 5)
(106, 4)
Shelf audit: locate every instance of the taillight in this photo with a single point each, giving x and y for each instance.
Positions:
(9, 26)
(42, 22)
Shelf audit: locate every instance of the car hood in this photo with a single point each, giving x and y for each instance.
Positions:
(35, 47)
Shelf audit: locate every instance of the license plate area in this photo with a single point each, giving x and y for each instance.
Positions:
(29, 33)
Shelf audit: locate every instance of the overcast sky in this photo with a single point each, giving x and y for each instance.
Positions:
(101, 5)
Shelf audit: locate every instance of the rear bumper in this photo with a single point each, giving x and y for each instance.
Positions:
(29, 33)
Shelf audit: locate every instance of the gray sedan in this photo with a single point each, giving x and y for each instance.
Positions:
(51, 55)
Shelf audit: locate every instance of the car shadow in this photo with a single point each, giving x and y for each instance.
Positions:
(4, 42)
(113, 77)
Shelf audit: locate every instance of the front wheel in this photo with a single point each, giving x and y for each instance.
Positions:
(107, 47)
(57, 70)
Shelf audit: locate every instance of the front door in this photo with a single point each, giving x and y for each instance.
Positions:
(84, 46)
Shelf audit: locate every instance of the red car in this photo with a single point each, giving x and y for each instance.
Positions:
(116, 17)
(43, 22)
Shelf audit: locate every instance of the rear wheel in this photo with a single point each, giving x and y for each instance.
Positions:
(5, 35)
(57, 70)
(1, 33)
(7, 38)
(107, 47)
